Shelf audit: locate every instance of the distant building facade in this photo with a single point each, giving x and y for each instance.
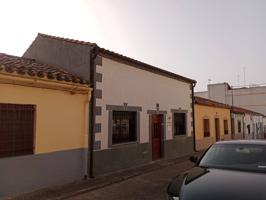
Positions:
(247, 124)
(215, 121)
(212, 122)
(251, 98)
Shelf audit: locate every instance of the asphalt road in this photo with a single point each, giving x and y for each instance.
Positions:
(147, 186)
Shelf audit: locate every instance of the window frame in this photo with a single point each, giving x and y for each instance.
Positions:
(249, 129)
(203, 127)
(185, 112)
(128, 115)
(226, 120)
(239, 126)
(22, 109)
(125, 107)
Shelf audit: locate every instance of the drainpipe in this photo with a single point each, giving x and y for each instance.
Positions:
(231, 117)
(193, 116)
(93, 56)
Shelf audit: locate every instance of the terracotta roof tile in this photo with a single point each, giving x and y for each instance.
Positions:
(208, 102)
(25, 66)
(244, 111)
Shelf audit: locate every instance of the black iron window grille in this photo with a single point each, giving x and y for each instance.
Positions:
(239, 126)
(124, 127)
(16, 129)
(180, 124)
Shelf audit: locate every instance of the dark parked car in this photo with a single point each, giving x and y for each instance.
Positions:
(229, 170)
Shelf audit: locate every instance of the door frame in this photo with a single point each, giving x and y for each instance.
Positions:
(217, 128)
(163, 127)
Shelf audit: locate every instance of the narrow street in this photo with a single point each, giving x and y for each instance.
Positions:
(147, 186)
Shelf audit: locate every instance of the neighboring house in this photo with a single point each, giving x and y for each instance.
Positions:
(251, 98)
(247, 124)
(258, 126)
(212, 122)
(241, 123)
(139, 112)
(264, 126)
(43, 125)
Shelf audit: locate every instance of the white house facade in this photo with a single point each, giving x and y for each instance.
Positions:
(247, 124)
(238, 125)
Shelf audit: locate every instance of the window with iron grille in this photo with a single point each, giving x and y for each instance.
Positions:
(16, 129)
(206, 127)
(226, 127)
(232, 125)
(180, 124)
(248, 127)
(124, 127)
(239, 126)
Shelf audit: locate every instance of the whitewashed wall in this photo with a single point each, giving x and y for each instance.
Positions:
(238, 117)
(122, 83)
(258, 126)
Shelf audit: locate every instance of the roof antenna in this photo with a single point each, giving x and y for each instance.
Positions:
(244, 69)
(238, 77)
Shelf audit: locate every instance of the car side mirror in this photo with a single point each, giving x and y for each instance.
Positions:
(193, 159)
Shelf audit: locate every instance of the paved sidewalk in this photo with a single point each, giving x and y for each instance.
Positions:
(80, 187)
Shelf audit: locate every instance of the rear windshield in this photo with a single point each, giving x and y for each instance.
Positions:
(247, 157)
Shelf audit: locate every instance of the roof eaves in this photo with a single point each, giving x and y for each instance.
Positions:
(29, 67)
(208, 102)
(244, 111)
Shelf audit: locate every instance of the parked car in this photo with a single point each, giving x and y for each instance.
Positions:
(229, 170)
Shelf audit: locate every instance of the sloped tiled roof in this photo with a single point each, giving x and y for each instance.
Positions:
(238, 110)
(244, 111)
(124, 59)
(25, 66)
(208, 102)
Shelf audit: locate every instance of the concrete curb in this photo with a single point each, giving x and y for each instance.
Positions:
(158, 165)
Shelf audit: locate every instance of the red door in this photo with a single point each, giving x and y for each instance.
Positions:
(156, 136)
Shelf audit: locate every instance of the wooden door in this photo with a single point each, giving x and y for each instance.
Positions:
(156, 137)
(217, 129)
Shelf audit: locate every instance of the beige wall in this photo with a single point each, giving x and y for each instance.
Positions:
(61, 116)
(123, 83)
(211, 113)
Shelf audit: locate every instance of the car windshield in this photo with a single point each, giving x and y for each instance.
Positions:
(247, 157)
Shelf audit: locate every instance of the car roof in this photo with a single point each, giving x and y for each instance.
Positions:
(260, 142)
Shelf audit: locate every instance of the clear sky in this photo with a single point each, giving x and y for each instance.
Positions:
(200, 39)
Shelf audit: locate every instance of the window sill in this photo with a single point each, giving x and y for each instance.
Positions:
(115, 146)
(180, 136)
(16, 156)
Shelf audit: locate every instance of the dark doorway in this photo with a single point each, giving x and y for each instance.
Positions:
(217, 129)
(233, 128)
(156, 135)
